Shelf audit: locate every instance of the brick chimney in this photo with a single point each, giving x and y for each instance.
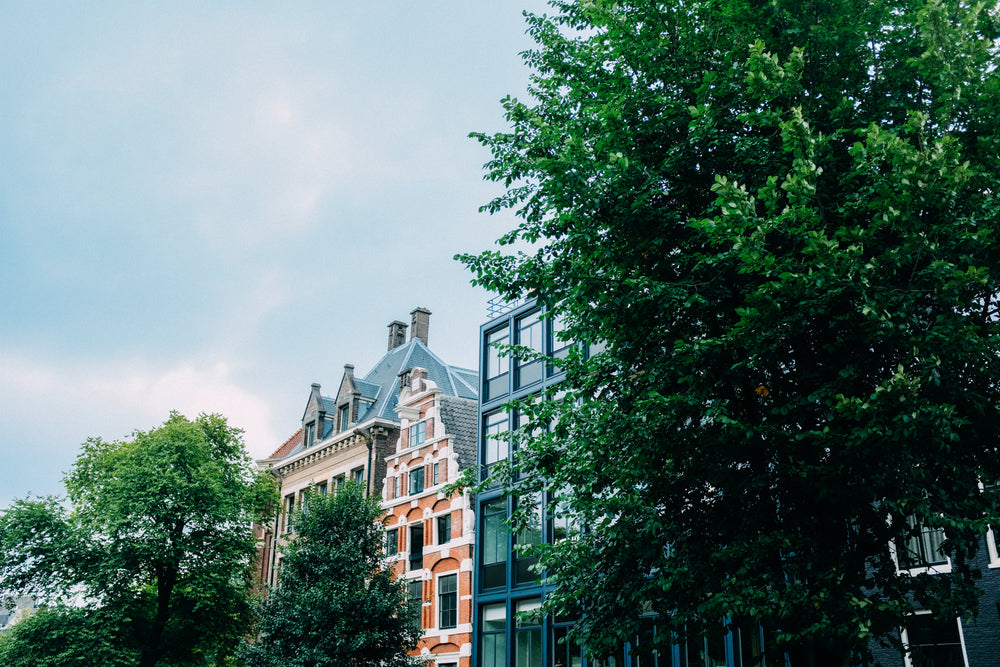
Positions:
(420, 320)
(397, 334)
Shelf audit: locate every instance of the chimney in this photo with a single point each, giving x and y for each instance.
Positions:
(420, 319)
(397, 334)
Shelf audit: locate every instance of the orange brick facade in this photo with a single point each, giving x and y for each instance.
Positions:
(433, 532)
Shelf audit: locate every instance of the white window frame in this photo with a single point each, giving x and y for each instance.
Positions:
(942, 568)
(437, 601)
(991, 548)
(904, 638)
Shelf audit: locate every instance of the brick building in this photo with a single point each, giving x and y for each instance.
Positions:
(429, 535)
(363, 433)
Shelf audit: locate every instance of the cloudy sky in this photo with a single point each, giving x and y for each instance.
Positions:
(206, 207)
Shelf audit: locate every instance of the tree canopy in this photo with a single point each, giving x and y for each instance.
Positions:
(336, 603)
(778, 221)
(155, 544)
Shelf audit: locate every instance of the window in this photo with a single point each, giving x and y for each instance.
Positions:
(748, 638)
(922, 547)
(564, 525)
(289, 508)
(338, 482)
(395, 486)
(991, 547)
(418, 433)
(643, 654)
(358, 475)
(497, 444)
(497, 363)
(934, 643)
(494, 543)
(416, 480)
(436, 476)
(529, 334)
(321, 488)
(494, 635)
(310, 434)
(392, 542)
(415, 599)
(448, 601)
(345, 417)
(708, 651)
(444, 528)
(416, 547)
(564, 650)
(528, 638)
(558, 344)
(529, 535)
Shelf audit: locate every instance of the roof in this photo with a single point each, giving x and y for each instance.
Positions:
(287, 447)
(452, 380)
(380, 388)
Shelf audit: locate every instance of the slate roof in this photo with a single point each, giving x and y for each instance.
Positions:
(452, 380)
(381, 388)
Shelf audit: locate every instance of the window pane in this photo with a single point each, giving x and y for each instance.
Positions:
(418, 433)
(391, 542)
(416, 480)
(934, 643)
(528, 639)
(494, 540)
(448, 601)
(497, 444)
(495, 363)
(415, 598)
(444, 528)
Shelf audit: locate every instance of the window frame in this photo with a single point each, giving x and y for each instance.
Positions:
(417, 433)
(920, 565)
(443, 525)
(535, 332)
(411, 481)
(905, 640)
(496, 364)
(452, 597)
(392, 539)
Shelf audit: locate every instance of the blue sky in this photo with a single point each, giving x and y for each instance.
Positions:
(209, 206)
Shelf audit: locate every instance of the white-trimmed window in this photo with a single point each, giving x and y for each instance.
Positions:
(991, 547)
(391, 542)
(930, 641)
(418, 433)
(447, 590)
(920, 551)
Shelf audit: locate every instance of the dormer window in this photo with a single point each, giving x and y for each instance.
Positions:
(345, 417)
(310, 434)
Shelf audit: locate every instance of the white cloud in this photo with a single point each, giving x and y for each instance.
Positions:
(110, 399)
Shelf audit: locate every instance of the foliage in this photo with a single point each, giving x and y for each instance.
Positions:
(337, 604)
(65, 637)
(158, 531)
(779, 221)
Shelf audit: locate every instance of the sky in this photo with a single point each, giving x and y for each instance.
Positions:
(208, 206)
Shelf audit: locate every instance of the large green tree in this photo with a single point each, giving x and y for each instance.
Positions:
(780, 221)
(155, 542)
(337, 604)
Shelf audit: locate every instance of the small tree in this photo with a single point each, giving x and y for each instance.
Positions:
(66, 637)
(336, 604)
(156, 543)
